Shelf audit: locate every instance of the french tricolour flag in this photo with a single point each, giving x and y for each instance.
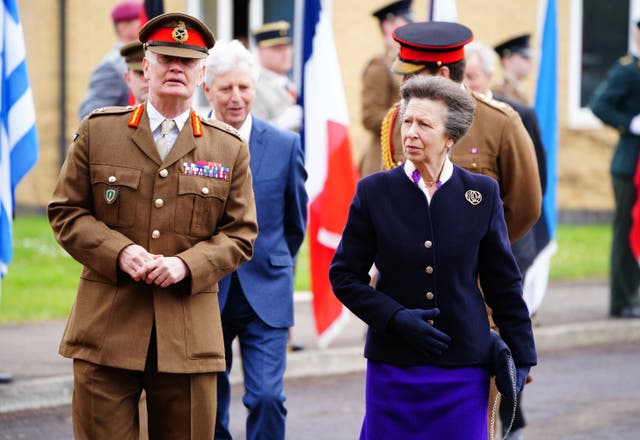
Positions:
(332, 174)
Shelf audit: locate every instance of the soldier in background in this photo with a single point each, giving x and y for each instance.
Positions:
(107, 86)
(515, 56)
(616, 102)
(478, 74)
(380, 87)
(276, 97)
(133, 53)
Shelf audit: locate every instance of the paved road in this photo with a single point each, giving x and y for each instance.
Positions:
(588, 393)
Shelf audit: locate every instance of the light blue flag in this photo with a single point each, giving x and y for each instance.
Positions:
(18, 139)
(546, 106)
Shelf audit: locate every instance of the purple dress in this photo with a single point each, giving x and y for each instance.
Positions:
(425, 402)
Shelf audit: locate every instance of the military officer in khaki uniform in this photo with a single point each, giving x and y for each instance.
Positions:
(497, 144)
(515, 58)
(380, 87)
(157, 205)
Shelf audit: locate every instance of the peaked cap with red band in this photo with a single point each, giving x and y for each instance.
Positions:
(178, 35)
(429, 43)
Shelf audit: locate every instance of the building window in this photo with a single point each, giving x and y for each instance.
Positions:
(600, 34)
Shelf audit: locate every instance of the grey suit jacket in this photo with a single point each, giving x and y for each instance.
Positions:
(107, 86)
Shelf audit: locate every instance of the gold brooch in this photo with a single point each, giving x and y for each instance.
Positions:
(473, 197)
(180, 33)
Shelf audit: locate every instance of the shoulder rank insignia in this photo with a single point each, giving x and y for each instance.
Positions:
(134, 120)
(196, 124)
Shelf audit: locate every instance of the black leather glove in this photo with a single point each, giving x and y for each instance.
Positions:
(412, 325)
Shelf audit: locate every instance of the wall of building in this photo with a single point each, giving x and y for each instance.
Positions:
(583, 155)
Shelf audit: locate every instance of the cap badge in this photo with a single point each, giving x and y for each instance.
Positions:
(473, 197)
(180, 33)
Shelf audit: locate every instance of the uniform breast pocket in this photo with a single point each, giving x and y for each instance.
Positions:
(115, 194)
(200, 204)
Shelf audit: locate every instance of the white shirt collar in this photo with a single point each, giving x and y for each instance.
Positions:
(245, 128)
(156, 118)
(447, 172)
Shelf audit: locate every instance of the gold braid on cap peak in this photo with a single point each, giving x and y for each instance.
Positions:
(386, 135)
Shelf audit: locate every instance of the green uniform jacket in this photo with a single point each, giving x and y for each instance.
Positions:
(497, 145)
(616, 101)
(113, 191)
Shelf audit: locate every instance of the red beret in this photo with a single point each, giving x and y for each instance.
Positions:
(126, 11)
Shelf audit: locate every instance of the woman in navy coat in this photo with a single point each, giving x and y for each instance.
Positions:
(438, 237)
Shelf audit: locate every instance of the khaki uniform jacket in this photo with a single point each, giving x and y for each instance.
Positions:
(210, 223)
(497, 144)
(380, 89)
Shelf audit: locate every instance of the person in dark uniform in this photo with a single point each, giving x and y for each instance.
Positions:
(616, 102)
(158, 206)
(515, 57)
(380, 87)
(428, 339)
(478, 75)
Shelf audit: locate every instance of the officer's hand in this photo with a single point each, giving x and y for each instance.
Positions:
(412, 325)
(165, 271)
(133, 259)
(521, 377)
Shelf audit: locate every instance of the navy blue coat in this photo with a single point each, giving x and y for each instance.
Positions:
(391, 224)
(277, 167)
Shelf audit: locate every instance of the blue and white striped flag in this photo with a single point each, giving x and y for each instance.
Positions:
(18, 140)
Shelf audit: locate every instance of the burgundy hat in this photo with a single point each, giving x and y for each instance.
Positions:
(126, 11)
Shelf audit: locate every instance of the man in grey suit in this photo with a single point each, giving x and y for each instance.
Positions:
(107, 85)
(257, 299)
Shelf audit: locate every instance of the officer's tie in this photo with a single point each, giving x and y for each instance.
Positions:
(163, 142)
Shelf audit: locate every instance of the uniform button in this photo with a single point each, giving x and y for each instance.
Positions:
(159, 203)
(430, 322)
(430, 296)
(155, 234)
(112, 179)
(428, 244)
(428, 269)
(205, 190)
(164, 172)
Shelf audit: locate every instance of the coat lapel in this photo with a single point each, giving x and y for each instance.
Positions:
(143, 138)
(256, 146)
